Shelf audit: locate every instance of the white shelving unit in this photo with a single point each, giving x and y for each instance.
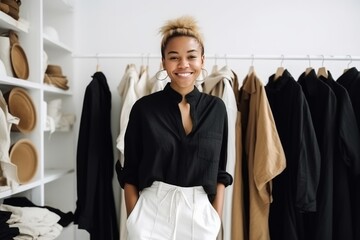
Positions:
(54, 182)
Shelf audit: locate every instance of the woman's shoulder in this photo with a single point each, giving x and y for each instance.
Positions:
(149, 100)
(212, 99)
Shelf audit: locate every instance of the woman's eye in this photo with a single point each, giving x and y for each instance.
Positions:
(173, 58)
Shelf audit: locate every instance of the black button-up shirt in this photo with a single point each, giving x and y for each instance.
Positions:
(158, 149)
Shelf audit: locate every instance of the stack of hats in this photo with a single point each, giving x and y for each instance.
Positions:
(54, 76)
(11, 7)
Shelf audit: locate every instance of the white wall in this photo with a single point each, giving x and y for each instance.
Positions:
(260, 27)
(233, 27)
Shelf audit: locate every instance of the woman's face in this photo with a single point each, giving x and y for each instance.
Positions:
(183, 62)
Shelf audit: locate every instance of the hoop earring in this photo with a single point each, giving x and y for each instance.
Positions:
(203, 70)
(159, 73)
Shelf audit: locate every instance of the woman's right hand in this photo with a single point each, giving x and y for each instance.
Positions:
(131, 196)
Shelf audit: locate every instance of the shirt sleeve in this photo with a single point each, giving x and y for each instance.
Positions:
(132, 151)
(269, 155)
(223, 176)
(309, 160)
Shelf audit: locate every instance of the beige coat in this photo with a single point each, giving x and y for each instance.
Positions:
(263, 151)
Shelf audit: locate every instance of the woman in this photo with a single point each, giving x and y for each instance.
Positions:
(175, 148)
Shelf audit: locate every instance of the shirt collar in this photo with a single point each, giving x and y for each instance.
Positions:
(191, 97)
(279, 83)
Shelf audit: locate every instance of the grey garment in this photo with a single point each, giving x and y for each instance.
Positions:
(8, 171)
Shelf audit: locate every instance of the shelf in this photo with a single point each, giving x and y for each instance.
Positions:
(53, 44)
(7, 22)
(11, 81)
(59, 5)
(20, 188)
(54, 182)
(51, 175)
(54, 90)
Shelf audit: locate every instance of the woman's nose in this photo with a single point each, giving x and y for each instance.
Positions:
(183, 63)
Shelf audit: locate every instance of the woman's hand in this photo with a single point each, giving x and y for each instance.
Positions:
(131, 196)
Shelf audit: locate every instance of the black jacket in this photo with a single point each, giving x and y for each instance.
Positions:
(95, 206)
(294, 190)
(322, 103)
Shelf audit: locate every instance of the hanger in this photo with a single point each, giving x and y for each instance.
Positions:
(215, 68)
(322, 70)
(97, 63)
(348, 66)
(309, 68)
(280, 70)
(251, 68)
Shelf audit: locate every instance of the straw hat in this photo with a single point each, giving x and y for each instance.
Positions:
(54, 76)
(4, 7)
(19, 62)
(13, 8)
(21, 106)
(24, 155)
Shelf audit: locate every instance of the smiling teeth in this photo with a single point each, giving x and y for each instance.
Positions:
(184, 74)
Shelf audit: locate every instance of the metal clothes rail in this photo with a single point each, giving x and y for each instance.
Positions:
(229, 56)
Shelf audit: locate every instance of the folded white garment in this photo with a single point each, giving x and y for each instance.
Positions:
(33, 222)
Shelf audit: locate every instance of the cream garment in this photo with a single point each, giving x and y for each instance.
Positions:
(141, 88)
(8, 170)
(238, 231)
(33, 222)
(128, 96)
(219, 83)
(264, 153)
(159, 80)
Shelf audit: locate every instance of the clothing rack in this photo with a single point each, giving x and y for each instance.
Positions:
(233, 57)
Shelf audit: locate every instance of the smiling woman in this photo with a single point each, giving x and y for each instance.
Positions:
(183, 62)
(177, 191)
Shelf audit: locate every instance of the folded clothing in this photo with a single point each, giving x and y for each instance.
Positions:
(65, 218)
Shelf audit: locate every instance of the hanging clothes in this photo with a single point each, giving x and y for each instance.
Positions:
(346, 161)
(350, 79)
(237, 216)
(220, 84)
(128, 91)
(95, 206)
(128, 96)
(322, 103)
(294, 190)
(141, 86)
(264, 156)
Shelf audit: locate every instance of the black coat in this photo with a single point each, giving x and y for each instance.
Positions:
(351, 81)
(95, 206)
(294, 190)
(322, 104)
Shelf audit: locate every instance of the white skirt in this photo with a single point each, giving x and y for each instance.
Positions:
(167, 212)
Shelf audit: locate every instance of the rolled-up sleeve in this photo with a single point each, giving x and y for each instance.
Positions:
(132, 152)
(223, 176)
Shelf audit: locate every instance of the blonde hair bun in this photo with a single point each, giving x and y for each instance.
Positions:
(182, 26)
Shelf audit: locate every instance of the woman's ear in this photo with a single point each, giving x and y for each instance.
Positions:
(163, 63)
(202, 60)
